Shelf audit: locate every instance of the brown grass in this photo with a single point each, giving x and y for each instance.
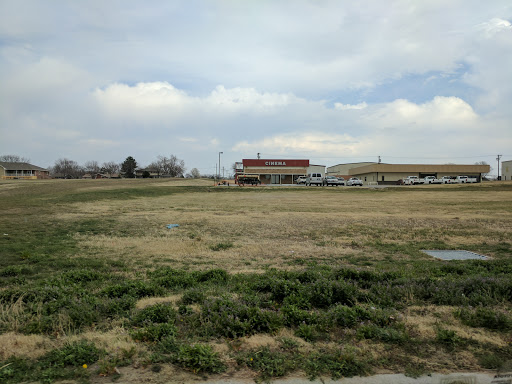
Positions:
(274, 228)
(270, 227)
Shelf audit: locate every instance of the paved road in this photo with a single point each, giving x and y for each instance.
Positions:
(454, 378)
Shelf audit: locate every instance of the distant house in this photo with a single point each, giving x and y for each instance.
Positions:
(147, 172)
(98, 176)
(24, 171)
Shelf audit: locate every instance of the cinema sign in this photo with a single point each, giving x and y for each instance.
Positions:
(283, 163)
(275, 163)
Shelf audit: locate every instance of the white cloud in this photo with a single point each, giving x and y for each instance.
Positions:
(315, 144)
(147, 76)
(494, 26)
(435, 128)
(438, 113)
(148, 99)
(345, 107)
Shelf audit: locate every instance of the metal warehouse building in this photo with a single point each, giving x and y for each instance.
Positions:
(506, 170)
(391, 173)
(280, 171)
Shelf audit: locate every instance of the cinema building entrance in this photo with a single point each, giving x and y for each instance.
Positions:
(275, 171)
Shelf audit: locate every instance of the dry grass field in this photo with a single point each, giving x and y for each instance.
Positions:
(327, 278)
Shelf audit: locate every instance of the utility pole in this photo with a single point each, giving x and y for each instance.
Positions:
(379, 159)
(259, 155)
(498, 158)
(220, 153)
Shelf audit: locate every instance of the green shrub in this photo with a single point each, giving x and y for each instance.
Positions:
(155, 332)
(269, 363)
(307, 332)
(221, 246)
(491, 361)
(173, 278)
(485, 318)
(232, 318)
(387, 334)
(74, 354)
(79, 276)
(117, 306)
(294, 316)
(192, 296)
(447, 337)
(215, 275)
(199, 359)
(15, 270)
(343, 316)
(337, 364)
(15, 370)
(137, 288)
(158, 313)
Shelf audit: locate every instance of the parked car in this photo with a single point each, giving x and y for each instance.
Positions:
(342, 180)
(314, 179)
(332, 180)
(353, 181)
(432, 180)
(301, 180)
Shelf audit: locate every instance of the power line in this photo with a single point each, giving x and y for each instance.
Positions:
(391, 157)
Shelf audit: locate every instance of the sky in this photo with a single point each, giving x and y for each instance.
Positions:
(329, 81)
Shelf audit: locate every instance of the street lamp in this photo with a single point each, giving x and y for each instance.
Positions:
(220, 153)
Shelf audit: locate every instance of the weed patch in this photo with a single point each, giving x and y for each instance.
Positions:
(485, 318)
(221, 246)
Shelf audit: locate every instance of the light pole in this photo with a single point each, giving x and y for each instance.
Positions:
(220, 153)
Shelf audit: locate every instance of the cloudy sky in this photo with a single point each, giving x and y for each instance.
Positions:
(330, 81)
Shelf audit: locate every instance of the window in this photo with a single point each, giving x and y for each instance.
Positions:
(382, 178)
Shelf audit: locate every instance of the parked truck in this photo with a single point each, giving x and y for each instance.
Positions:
(448, 180)
(465, 179)
(432, 180)
(413, 180)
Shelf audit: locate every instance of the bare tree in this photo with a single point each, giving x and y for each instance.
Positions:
(13, 159)
(110, 168)
(169, 166)
(484, 163)
(195, 173)
(91, 167)
(68, 169)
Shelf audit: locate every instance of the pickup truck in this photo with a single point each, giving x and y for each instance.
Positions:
(413, 180)
(465, 179)
(432, 180)
(333, 180)
(448, 180)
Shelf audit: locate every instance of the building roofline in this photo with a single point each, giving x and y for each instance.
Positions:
(20, 166)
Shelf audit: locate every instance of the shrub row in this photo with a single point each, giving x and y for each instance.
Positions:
(69, 362)
(264, 302)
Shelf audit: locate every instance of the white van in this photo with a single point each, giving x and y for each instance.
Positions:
(314, 178)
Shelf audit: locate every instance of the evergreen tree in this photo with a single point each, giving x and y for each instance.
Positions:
(128, 167)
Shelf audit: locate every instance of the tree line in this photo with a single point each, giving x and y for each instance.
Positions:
(162, 167)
